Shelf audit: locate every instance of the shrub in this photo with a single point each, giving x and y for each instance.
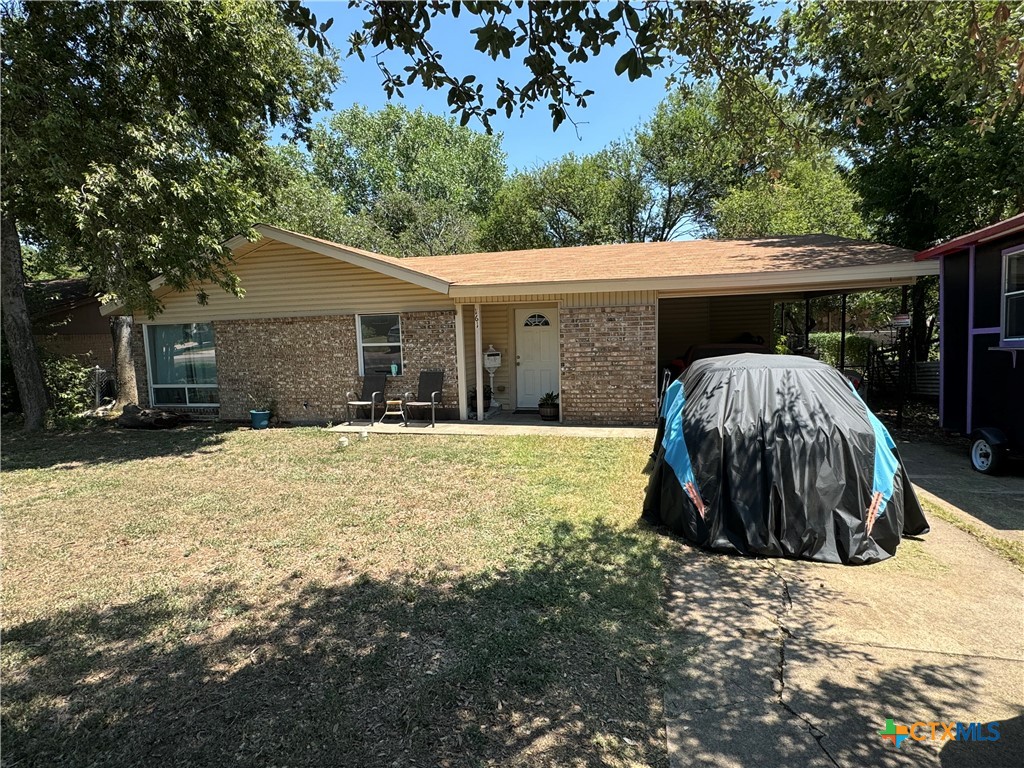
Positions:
(858, 348)
(70, 385)
(68, 382)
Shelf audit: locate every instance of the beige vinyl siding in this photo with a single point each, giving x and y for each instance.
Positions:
(496, 329)
(469, 334)
(681, 324)
(282, 280)
(732, 316)
(609, 299)
(710, 320)
(602, 299)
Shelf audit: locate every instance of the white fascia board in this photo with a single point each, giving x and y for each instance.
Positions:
(749, 282)
(343, 254)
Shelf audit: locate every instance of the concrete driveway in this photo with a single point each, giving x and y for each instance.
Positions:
(943, 471)
(784, 663)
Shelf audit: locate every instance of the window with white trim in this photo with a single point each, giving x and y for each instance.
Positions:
(1013, 298)
(182, 365)
(380, 344)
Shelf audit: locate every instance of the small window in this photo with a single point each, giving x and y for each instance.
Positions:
(1013, 300)
(380, 344)
(536, 320)
(183, 365)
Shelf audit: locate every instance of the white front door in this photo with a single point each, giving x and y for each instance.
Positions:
(536, 355)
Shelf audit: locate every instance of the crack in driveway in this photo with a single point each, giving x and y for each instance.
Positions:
(785, 632)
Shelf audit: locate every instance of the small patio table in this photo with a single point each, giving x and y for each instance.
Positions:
(394, 408)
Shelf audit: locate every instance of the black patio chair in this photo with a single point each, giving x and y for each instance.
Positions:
(428, 394)
(373, 393)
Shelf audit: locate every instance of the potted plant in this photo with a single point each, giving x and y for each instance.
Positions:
(262, 411)
(548, 407)
(487, 398)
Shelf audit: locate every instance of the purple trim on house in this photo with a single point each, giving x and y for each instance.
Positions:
(985, 330)
(942, 343)
(970, 341)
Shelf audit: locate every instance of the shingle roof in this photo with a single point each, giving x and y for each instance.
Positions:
(630, 261)
(48, 296)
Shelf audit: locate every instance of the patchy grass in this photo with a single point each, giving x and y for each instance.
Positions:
(1005, 548)
(211, 596)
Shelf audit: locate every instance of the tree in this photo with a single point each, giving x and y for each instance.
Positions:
(365, 155)
(806, 197)
(406, 183)
(871, 58)
(669, 177)
(969, 47)
(567, 202)
(516, 222)
(686, 157)
(133, 141)
(933, 155)
(702, 40)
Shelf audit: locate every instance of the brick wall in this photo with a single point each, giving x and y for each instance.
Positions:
(609, 365)
(309, 364)
(428, 343)
(306, 364)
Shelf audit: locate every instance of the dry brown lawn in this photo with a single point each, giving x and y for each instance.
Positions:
(212, 596)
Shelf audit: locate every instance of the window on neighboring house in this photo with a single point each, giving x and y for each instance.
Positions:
(182, 365)
(380, 344)
(1013, 299)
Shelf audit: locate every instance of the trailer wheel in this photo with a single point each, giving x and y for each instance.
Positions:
(987, 458)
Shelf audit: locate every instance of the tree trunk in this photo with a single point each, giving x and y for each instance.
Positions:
(124, 365)
(28, 373)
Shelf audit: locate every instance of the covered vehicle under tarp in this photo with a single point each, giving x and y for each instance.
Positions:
(778, 456)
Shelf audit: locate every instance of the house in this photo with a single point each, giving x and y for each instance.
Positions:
(594, 323)
(67, 321)
(981, 332)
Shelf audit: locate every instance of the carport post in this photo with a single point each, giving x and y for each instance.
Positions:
(807, 325)
(842, 337)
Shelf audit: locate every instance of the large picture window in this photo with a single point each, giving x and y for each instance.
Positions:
(1013, 298)
(380, 344)
(182, 364)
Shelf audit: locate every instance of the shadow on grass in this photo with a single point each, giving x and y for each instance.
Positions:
(549, 660)
(106, 444)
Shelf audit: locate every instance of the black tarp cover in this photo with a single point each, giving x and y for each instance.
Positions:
(778, 456)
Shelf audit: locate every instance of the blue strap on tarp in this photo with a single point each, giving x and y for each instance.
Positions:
(883, 480)
(676, 454)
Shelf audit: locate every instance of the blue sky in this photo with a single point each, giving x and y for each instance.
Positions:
(616, 107)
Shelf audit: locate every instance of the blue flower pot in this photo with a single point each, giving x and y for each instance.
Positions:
(260, 419)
